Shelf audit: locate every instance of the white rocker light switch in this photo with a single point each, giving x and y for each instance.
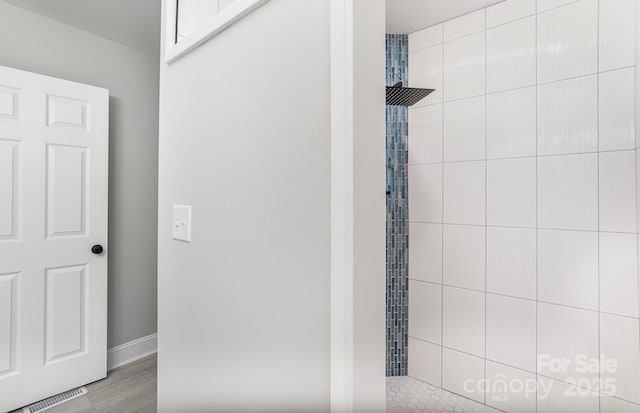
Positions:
(182, 223)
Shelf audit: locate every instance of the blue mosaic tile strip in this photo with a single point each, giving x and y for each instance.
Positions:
(397, 212)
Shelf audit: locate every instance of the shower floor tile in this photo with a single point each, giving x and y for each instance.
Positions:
(408, 395)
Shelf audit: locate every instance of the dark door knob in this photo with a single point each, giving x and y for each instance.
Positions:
(97, 249)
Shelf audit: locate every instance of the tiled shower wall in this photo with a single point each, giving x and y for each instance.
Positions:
(397, 212)
(523, 217)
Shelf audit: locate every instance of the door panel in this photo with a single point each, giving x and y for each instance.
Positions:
(8, 189)
(53, 209)
(8, 322)
(66, 312)
(66, 112)
(9, 102)
(67, 182)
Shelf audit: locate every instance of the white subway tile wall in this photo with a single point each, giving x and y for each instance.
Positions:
(425, 135)
(551, 4)
(613, 405)
(426, 68)
(508, 11)
(423, 206)
(511, 331)
(425, 38)
(619, 340)
(511, 55)
(460, 369)
(564, 333)
(568, 116)
(511, 124)
(517, 402)
(617, 20)
(426, 248)
(464, 121)
(469, 242)
(465, 25)
(512, 262)
(563, 397)
(617, 114)
(464, 67)
(568, 268)
(617, 191)
(427, 365)
(463, 320)
(568, 192)
(425, 316)
(619, 274)
(568, 41)
(464, 192)
(525, 194)
(511, 192)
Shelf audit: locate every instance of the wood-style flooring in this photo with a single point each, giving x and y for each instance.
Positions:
(128, 389)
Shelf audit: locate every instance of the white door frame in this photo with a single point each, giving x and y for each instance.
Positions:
(357, 206)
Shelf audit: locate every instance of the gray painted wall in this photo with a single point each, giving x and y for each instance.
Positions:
(35, 43)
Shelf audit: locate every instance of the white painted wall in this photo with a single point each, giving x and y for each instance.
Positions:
(370, 202)
(245, 140)
(523, 199)
(35, 43)
(358, 215)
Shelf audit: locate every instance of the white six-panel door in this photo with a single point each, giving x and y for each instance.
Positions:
(53, 210)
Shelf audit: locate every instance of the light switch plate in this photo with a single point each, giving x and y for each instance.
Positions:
(182, 223)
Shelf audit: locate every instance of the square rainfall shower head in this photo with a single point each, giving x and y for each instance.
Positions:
(405, 96)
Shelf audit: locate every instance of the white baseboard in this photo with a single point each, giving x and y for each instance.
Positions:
(134, 350)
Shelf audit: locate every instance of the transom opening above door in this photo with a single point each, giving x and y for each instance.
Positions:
(191, 23)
